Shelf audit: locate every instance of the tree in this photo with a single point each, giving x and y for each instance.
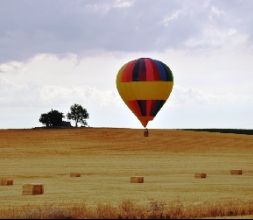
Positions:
(52, 118)
(78, 114)
(44, 119)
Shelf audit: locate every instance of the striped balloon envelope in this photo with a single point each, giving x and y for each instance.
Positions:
(144, 85)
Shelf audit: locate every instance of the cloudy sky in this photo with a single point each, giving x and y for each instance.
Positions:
(57, 53)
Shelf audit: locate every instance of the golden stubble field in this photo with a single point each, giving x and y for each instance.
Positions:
(107, 158)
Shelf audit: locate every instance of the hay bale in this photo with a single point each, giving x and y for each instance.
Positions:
(137, 179)
(33, 189)
(200, 175)
(75, 174)
(236, 172)
(6, 182)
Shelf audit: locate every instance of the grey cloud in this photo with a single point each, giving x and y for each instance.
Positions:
(35, 26)
(238, 14)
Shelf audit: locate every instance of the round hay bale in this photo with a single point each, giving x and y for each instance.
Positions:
(33, 189)
(6, 182)
(75, 174)
(137, 179)
(236, 172)
(200, 175)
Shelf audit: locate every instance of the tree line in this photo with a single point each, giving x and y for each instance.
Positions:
(54, 118)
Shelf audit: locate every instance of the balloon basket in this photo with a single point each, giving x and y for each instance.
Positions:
(146, 133)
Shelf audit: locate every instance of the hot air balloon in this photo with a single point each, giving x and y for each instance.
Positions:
(144, 85)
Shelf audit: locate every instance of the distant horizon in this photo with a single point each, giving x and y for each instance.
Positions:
(73, 127)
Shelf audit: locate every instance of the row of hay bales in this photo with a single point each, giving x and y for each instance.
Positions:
(30, 188)
(204, 175)
(140, 179)
(38, 189)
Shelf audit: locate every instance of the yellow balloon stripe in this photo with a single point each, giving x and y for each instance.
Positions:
(148, 90)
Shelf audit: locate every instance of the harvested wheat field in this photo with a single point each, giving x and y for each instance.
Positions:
(107, 158)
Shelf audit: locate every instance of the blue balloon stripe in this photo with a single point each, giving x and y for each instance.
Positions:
(142, 106)
(169, 72)
(136, 71)
(139, 71)
(157, 106)
(162, 71)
